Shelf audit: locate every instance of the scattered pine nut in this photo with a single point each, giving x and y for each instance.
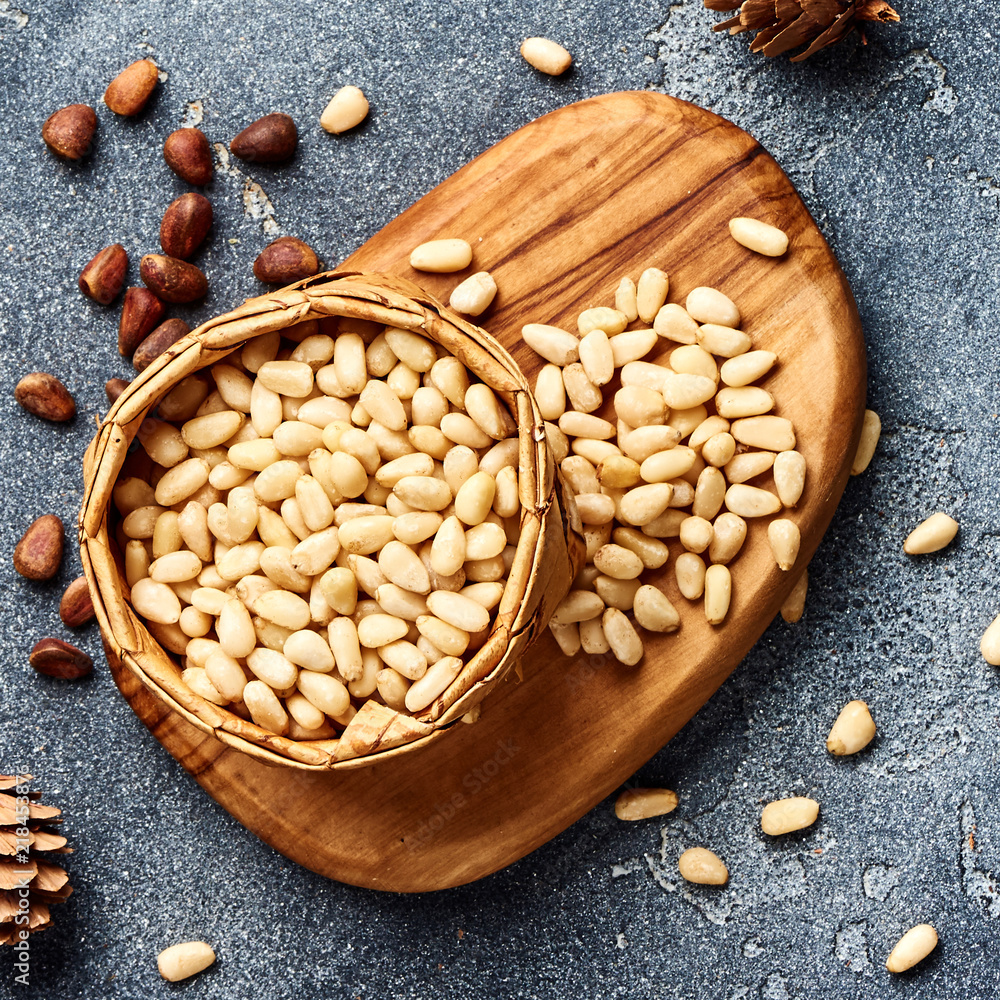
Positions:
(787, 815)
(703, 867)
(853, 730)
(931, 535)
(347, 109)
(795, 602)
(913, 947)
(871, 429)
(180, 961)
(474, 295)
(546, 56)
(989, 645)
(784, 538)
(643, 803)
(759, 236)
(441, 256)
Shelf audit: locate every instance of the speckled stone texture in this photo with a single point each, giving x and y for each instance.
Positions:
(894, 148)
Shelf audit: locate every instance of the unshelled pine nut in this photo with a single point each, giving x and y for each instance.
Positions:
(913, 947)
(622, 637)
(989, 645)
(789, 476)
(718, 593)
(759, 236)
(546, 56)
(853, 730)
(795, 602)
(931, 535)
(702, 866)
(653, 610)
(784, 538)
(186, 959)
(643, 803)
(871, 430)
(709, 305)
(346, 109)
(786, 815)
(441, 256)
(474, 295)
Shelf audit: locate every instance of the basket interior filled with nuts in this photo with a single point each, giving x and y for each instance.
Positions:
(324, 525)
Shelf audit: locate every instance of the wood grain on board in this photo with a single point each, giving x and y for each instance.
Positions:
(558, 212)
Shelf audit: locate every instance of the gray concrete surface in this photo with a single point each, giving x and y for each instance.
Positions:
(894, 147)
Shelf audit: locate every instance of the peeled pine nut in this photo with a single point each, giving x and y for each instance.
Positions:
(702, 866)
(550, 393)
(786, 815)
(653, 611)
(931, 535)
(597, 358)
(853, 730)
(180, 961)
(618, 562)
(651, 293)
(592, 638)
(552, 343)
(746, 401)
(576, 606)
(683, 392)
(795, 602)
(667, 465)
(324, 691)
(673, 322)
(460, 611)
(583, 395)
(156, 601)
(441, 256)
(691, 359)
(913, 947)
(622, 637)
(625, 299)
(618, 472)
(719, 449)
(989, 645)
(264, 708)
(347, 109)
(595, 508)
(632, 345)
(758, 236)
(723, 340)
(422, 692)
(789, 477)
(474, 295)
(709, 493)
(474, 498)
(718, 593)
(644, 504)
(784, 538)
(749, 501)
(611, 321)
(689, 570)
(743, 369)
(871, 430)
(643, 803)
(546, 56)
(708, 305)
(768, 433)
(567, 637)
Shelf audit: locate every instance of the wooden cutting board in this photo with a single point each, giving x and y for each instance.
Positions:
(558, 212)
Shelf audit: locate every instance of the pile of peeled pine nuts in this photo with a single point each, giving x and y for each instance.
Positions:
(328, 518)
(674, 457)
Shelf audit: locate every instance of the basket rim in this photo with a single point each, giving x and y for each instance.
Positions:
(545, 533)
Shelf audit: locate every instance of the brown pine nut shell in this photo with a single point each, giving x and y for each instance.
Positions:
(549, 553)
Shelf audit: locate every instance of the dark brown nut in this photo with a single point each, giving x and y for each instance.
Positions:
(165, 335)
(59, 659)
(46, 397)
(76, 607)
(69, 131)
(102, 279)
(171, 279)
(185, 225)
(189, 155)
(129, 91)
(270, 139)
(39, 552)
(141, 311)
(114, 387)
(286, 260)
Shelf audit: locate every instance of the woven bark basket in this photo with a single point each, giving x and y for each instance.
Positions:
(548, 555)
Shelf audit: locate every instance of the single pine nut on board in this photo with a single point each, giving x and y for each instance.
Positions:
(642, 803)
(474, 295)
(853, 730)
(546, 56)
(347, 108)
(702, 866)
(913, 947)
(180, 961)
(787, 815)
(441, 256)
(931, 535)
(759, 236)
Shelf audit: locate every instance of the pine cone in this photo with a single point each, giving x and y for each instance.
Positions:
(21, 867)
(782, 25)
